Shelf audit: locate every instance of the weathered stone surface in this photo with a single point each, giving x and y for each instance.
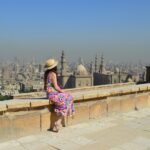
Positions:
(18, 105)
(141, 100)
(6, 132)
(125, 91)
(143, 88)
(78, 96)
(27, 123)
(148, 100)
(127, 103)
(97, 109)
(45, 119)
(128, 131)
(3, 108)
(90, 95)
(81, 114)
(39, 103)
(114, 105)
(103, 93)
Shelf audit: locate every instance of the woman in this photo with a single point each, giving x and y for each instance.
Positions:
(62, 101)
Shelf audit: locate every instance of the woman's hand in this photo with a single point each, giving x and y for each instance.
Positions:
(61, 91)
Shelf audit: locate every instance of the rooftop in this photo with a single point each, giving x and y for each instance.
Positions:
(127, 131)
(109, 117)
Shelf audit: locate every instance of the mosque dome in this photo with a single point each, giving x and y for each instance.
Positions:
(81, 70)
(130, 80)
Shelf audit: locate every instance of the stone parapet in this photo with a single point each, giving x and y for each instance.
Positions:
(26, 116)
(73, 90)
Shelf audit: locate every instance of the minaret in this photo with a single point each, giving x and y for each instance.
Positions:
(2, 78)
(91, 71)
(62, 62)
(64, 67)
(91, 68)
(101, 67)
(96, 63)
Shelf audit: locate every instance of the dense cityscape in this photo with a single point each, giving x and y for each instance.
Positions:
(17, 76)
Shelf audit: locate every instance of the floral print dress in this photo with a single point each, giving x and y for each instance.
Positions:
(63, 101)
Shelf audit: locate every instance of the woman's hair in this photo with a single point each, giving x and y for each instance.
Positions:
(46, 75)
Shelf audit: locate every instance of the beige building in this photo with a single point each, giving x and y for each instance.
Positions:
(81, 77)
(78, 78)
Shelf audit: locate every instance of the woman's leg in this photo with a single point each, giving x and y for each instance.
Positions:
(58, 123)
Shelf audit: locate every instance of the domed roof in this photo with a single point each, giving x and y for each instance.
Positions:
(130, 80)
(81, 70)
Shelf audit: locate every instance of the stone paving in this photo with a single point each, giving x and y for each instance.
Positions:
(126, 131)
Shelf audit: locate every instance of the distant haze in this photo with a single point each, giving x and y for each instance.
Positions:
(120, 29)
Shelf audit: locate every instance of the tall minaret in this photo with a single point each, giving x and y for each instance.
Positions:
(2, 78)
(91, 67)
(91, 71)
(96, 63)
(101, 67)
(63, 63)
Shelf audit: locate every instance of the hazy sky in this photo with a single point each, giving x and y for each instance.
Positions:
(120, 29)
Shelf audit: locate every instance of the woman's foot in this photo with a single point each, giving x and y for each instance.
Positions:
(56, 127)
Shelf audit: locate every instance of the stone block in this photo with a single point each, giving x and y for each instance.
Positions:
(113, 105)
(78, 97)
(127, 103)
(141, 100)
(18, 105)
(6, 132)
(90, 95)
(103, 93)
(3, 107)
(39, 103)
(81, 114)
(45, 119)
(149, 100)
(143, 87)
(114, 92)
(125, 91)
(26, 123)
(97, 109)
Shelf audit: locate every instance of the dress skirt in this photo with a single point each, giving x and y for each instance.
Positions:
(63, 103)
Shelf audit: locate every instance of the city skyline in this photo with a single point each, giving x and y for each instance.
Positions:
(41, 29)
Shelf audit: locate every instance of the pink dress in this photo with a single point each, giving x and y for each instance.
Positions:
(63, 101)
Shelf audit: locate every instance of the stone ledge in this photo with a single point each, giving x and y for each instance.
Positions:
(96, 93)
(82, 89)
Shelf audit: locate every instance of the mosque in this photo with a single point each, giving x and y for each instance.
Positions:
(80, 77)
(97, 75)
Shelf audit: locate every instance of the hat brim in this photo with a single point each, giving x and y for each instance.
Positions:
(51, 67)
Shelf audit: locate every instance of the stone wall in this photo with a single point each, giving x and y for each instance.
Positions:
(25, 117)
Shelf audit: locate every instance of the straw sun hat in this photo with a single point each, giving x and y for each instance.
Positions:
(50, 63)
